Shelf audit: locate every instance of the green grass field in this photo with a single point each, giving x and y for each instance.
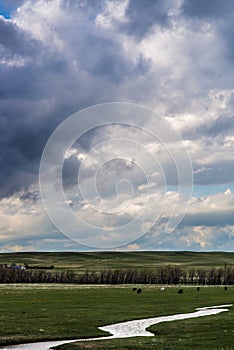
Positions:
(43, 312)
(52, 312)
(97, 261)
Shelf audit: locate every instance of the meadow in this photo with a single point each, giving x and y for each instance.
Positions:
(70, 311)
(47, 312)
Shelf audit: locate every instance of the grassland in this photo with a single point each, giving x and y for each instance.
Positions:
(97, 261)
(43, 312)
(51, 312)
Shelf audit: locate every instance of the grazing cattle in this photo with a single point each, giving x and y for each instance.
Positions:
(138, 290)
(198, 288)
(225, 288)
(134, 289)
(180, 291)
(162, 289)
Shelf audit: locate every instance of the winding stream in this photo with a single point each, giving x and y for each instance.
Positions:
(127, 329)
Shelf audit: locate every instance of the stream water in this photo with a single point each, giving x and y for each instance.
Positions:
(127, 329)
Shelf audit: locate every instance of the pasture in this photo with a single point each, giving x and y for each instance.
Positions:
(47, 312)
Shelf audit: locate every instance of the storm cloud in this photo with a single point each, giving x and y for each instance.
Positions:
(58, 57)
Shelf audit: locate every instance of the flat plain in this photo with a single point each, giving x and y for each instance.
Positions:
(57, 311)
(47, 312)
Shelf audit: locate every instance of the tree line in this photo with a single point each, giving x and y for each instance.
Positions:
(161, 275)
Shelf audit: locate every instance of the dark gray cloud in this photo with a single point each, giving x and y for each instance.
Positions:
(37, 94)
(220, 12)
(30, 196)
(70, 172)
(207, 8)
(219, 219)
(212, 130)
(226, 30)
(219, 172)
(14, 41)
(40, 88)
(105, 59)
(142, 16)
(89, 7)
(23, 137)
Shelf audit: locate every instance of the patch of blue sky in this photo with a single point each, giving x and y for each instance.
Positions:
(6, 13)
(205, 190)
(200, 191)
(7, 8)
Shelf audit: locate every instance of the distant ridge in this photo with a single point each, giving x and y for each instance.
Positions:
(97, 261)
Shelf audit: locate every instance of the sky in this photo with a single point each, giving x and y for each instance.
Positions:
(171, 64)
